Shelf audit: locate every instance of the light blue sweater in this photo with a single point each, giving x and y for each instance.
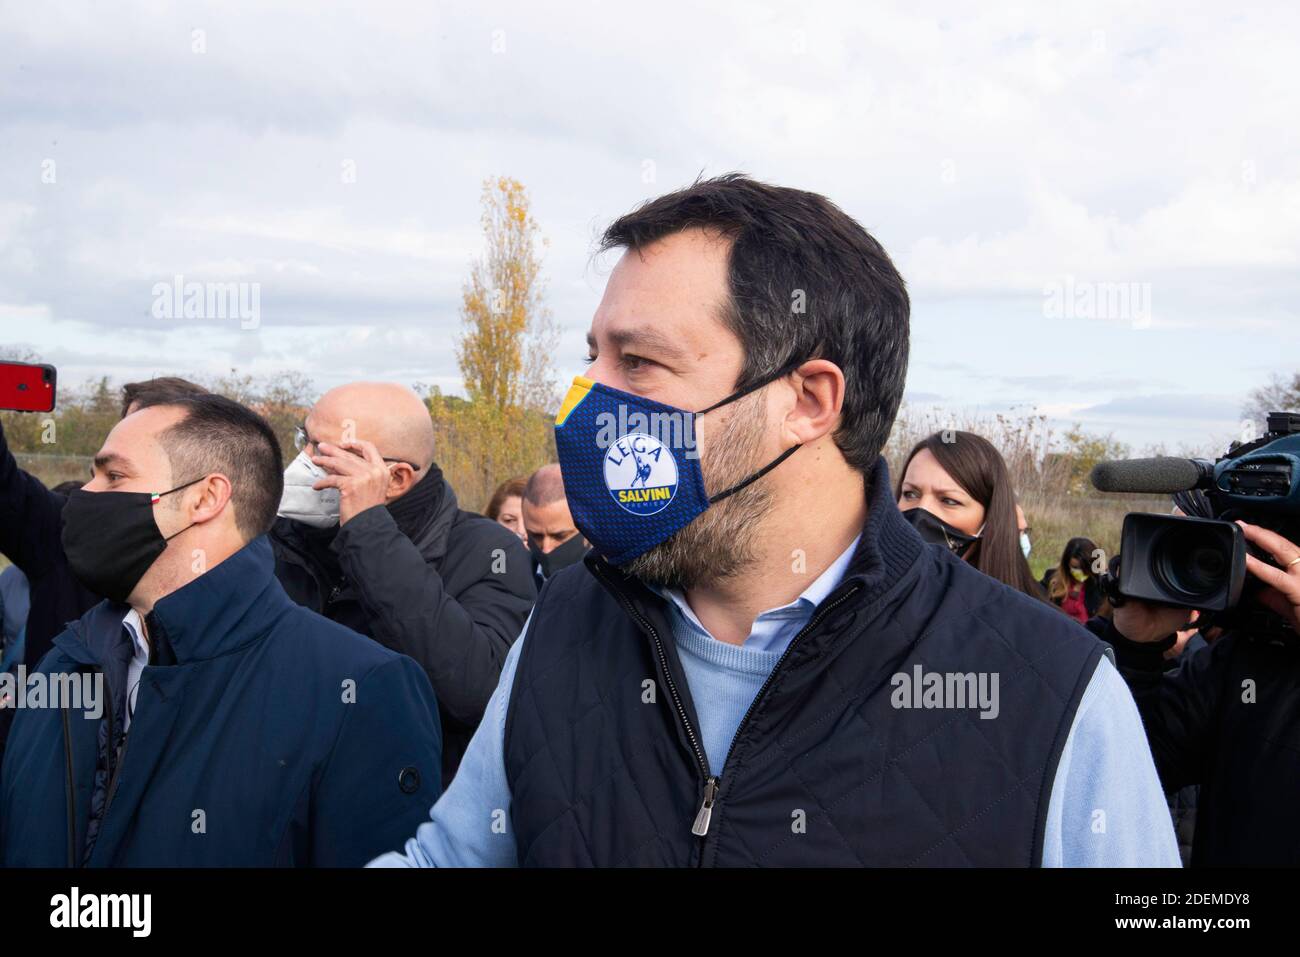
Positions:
(1106, 807)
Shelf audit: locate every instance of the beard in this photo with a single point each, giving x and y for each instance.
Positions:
(720, 542)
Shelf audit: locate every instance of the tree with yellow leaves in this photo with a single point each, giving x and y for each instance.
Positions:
(505, 353)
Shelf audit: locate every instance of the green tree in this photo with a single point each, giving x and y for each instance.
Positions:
(1083, 450)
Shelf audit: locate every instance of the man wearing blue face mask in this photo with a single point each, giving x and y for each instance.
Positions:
(762, 662)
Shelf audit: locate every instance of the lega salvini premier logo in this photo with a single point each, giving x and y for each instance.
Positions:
(641, 473)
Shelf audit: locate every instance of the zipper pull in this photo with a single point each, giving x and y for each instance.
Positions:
(706, 809)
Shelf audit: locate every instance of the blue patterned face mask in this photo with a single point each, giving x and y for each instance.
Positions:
(631, 466)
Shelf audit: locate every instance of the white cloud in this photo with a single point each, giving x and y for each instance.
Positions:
(1207, 226)
(993, 150)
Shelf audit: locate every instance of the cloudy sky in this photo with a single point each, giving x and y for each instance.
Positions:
(1097, 212)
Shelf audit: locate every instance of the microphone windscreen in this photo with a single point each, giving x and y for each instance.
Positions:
(1159, 475)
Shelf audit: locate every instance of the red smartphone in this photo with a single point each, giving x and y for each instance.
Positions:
(27, 387)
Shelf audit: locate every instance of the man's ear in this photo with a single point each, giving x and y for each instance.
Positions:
(401, 479)
(819, 397)
(213, 495)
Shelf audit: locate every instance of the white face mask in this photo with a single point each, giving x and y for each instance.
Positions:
(301, 502)
(1024, 543)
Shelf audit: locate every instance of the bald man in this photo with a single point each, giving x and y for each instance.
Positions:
(553, 540)
(370, 535)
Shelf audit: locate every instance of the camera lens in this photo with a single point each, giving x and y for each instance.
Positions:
(1189, 563)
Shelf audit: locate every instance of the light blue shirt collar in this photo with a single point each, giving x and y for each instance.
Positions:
(774, 628)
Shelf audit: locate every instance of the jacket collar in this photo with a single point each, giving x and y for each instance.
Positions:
(432, 537)
(218, 612)
(889, 545)
(222, 609)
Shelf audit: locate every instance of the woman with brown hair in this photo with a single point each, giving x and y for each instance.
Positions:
(955, 489)
(1072, 585)
(507, 506)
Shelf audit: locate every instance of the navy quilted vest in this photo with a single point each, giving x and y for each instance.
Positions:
(825, 769)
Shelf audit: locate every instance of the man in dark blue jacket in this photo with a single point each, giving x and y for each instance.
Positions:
(198, 716)
(31, 519)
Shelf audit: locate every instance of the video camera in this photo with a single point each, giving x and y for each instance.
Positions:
(1199, 561)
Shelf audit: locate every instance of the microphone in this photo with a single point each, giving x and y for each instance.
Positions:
(1163, 475)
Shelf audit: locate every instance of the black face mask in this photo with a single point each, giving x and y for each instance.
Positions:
(111, 538)
(562, 556)
(934, 529)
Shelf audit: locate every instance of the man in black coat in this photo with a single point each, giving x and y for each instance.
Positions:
(371, 536)
(1228, 717)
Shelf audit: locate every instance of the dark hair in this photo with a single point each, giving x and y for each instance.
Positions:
(160, 391)
(978, 468)
(220, 435)
(511, 488)
(1083, 549)
(806, 282)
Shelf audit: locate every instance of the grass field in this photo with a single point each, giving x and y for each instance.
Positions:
(1054, 521)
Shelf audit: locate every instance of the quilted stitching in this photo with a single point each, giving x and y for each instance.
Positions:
(826, 714)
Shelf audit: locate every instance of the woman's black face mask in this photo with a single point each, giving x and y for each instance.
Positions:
(934, 529)
(111, 538)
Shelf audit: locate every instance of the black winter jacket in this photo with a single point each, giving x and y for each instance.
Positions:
(1228, 719)
(31, 526)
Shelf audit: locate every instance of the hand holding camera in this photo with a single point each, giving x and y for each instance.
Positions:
(1235, 561)
(1281, 591)
(1148, 622)
(1145, 622)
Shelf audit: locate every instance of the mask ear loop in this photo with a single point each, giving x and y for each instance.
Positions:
(784, 371)
(157, 496)
(781, 373)
(757, 475)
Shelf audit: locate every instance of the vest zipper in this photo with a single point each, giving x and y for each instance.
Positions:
(117, 773)
(701, 825)
(70, 793)
(713, 784)
(114, 759)
(109, 756)
(706, 813)
(111, 765)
